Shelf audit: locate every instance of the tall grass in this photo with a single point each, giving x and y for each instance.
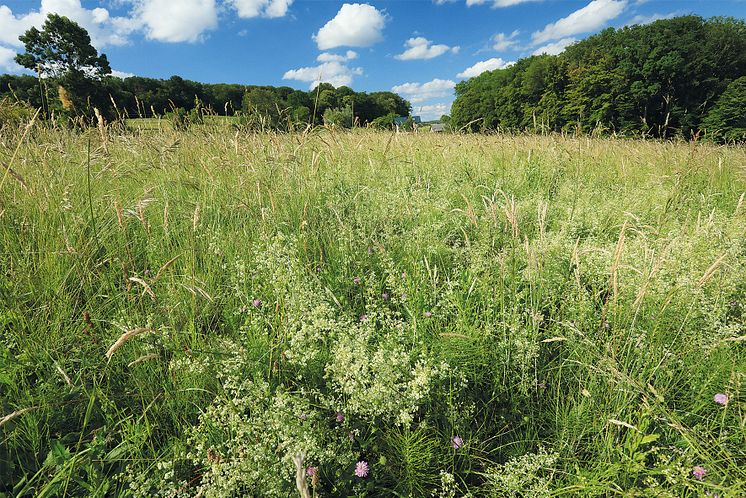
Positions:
(185, 313)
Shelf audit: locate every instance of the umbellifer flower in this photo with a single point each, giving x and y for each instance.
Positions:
(699, 472)
(361, 469)
(457, 442)
(721, 399)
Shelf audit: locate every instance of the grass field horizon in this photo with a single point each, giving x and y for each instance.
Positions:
(361, 313)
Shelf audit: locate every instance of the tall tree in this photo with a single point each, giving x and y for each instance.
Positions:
(62, 51)
(62, 47)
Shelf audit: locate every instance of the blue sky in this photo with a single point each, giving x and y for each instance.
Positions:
(418, 48)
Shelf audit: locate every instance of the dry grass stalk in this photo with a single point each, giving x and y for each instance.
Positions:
(542, 219)
(101, 124)
(16, 414)
(142, 359)
(165, 267)
(65, 99)
(146, 287)
(124, 338)
(300, 475)
(118, 208)
(63, 374)
(195, 218)
(511, 213)
(711, 271)
(165, 216)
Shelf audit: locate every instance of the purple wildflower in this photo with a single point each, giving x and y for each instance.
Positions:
(721, 399)
(356, 280)
(385, 296)
(699, 472)
(257, 303)
(457, 442)
(428, 314)
(340, 417)
(362, 469)
(311, 471)
(363, 318)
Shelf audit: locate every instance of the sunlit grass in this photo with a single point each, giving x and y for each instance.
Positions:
(569, 307)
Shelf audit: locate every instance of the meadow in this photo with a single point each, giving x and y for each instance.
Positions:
(217, 313)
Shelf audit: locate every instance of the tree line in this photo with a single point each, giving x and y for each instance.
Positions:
(684, 76)
(73, 79)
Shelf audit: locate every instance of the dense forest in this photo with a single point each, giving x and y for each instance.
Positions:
(684, 76)
(146, 97)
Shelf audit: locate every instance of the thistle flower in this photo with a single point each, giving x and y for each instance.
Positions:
(428, 314)
(362, 469)
(311, 471)
(385, 296)
(699, 472)
(363, 318)
(356, 280)
(457, 442)
(721, 399)
(340, 417)
(257, 303)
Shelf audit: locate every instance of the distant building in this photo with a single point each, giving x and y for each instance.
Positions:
(437, 128)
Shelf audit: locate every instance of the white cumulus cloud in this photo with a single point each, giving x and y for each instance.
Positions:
(328, 57)
(642, 19)
(264, 8)
(101, 26)
(182, 21)
(422, 48)
(355, 25)
(590, 18)
(502, 41)
(7, 64)
(432, 111)
(555, 48)
(416, 92)
(482, 66)
(333, 72)
(121, 74)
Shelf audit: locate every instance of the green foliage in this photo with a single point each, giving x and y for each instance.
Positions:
(659, 79)
(13, 114)
(384, 122)
(341, 118)
(62, 49)
(466, 314)
(726, 121)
